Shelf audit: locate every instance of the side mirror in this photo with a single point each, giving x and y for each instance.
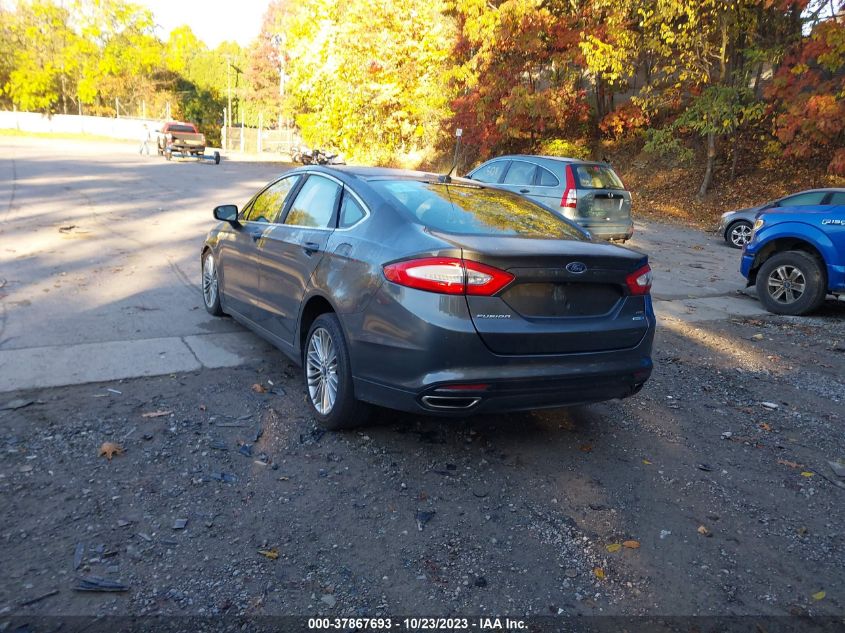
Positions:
(226, 213)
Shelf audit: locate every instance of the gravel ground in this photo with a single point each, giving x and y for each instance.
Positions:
(710, 493)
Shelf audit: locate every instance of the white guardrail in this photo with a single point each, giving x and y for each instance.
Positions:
(122, 128)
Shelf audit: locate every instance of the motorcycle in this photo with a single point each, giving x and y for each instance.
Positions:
(316, 157)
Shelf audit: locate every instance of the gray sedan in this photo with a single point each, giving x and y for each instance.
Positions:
(735, 226)
(429, 294)
(588, 193)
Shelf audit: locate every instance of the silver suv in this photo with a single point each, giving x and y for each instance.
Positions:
(585, 192)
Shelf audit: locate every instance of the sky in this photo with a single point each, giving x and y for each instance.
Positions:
(211, 21)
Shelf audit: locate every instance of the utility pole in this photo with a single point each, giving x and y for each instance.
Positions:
(228, 94)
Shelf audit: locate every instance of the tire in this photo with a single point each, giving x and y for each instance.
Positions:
(168, 154)
(211, 285)
(216, 158)
(792, 283)
(738, 234)
(326, 356)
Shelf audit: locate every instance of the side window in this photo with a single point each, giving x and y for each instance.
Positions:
(491, 172)
(350, 212)
(837, 197)
(268, 204)
(314, 204)
(811, 197)
(547, 178)
(520, 173)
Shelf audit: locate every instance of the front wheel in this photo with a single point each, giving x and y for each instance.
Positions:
(211, 285)
(791, 283)
(738, 234)
(328, 376)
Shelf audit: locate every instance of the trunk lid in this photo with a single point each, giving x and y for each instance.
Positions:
(601, 194)
(566, 297)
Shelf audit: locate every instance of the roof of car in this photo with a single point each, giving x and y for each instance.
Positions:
(561, 159)
(387, 173)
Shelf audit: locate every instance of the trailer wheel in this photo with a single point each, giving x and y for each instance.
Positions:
(216, 158)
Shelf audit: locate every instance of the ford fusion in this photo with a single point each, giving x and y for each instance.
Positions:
(428, 294)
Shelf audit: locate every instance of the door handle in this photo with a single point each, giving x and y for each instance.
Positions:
(310, 248)
(524, 191)
(256, 236)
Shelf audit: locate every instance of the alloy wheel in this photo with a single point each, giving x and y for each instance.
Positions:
(321, 371)
(209, 281)
(740, 234)
(786, 284)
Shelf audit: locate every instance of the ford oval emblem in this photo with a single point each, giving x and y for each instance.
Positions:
(576, 268)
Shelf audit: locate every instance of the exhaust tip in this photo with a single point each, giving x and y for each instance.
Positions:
(449, 403)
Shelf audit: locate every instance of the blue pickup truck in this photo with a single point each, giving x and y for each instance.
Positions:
(796, 257)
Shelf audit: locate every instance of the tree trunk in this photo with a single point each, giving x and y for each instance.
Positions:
(711, 159)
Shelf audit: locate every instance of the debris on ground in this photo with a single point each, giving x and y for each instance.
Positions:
(109, 450)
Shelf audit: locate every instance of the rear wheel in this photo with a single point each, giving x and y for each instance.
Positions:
(791, 283)
(168, 154)
(738, 234)
(328, 376)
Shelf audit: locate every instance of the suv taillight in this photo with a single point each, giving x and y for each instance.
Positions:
(570, 194)
(448, 275)
(639, 281)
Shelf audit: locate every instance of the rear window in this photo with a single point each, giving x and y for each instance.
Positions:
(475, 211)
(181, 128)
(597, 177)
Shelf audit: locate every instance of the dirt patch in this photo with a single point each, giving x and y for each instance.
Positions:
(229, 501)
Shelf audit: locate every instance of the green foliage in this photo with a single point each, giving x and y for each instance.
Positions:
(564, 148)
(664, 142)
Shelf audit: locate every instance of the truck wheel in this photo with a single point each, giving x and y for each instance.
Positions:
(167, 154)
(792, 282)
(216, 158)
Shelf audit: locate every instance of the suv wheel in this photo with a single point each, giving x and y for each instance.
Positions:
(791, 283)
(738, 234)
(328, 376)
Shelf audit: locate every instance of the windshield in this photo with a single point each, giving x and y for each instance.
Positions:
(597, 177)
(476, 211)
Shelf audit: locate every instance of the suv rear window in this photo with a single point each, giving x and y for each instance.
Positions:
(476, 210)
(182, 128)
(597, 177)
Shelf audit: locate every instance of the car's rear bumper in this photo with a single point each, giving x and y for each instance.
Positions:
(409, 359)
(514, 394)
(608, 230)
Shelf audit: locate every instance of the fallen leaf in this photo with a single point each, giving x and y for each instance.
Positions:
(258, 388)
(586, 448)
(704, 531)
(646, 462)
(807, 473)
(613, 547)
(819, 595)
(786, 462)
(156, 414)
(110, 449)
(599, 573)
(765, 427)
(631, 544)
(272, 554)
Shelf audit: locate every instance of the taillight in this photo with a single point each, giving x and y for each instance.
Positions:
(448, 275)
(570, 194)
(639, 281)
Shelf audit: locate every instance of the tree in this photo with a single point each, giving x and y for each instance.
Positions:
(808, 96)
